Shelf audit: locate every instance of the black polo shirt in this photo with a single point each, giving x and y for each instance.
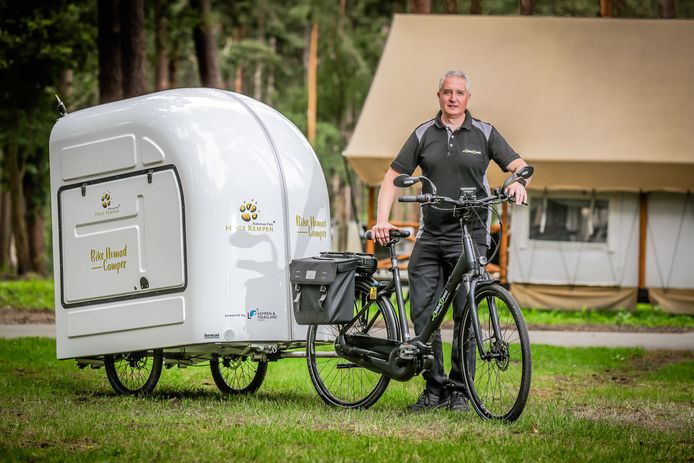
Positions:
(453, 160)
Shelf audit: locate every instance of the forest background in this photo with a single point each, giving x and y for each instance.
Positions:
(95, 51)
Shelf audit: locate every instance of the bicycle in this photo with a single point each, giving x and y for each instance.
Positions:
(376, 345)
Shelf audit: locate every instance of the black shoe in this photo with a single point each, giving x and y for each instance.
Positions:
(458, 402)
(431, 399)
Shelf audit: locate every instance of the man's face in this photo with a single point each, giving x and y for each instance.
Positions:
(453, 97)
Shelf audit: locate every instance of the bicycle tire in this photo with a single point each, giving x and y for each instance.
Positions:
(497, 388)
(134, 372)
(235, 374)
(340, 383)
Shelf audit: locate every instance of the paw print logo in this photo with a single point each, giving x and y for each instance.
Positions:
(105, 200)
(249, 211)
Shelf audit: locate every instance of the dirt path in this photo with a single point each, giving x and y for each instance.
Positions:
(10, 316)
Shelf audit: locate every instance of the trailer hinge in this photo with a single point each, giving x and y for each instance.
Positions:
(149, 176)
(84, 189)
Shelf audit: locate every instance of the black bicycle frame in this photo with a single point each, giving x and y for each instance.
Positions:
(387, 356)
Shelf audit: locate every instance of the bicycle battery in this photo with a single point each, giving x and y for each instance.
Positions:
(323, 289)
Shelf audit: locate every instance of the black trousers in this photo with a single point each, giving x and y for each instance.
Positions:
(431, 264)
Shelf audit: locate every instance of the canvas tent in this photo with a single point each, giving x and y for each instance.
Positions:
(601, 107)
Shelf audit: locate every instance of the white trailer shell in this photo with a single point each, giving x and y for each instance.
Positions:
(175, 216)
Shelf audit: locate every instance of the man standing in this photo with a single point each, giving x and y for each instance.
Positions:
(453, 150)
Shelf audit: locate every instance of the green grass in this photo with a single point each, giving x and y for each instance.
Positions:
(32, 294)
(644, 315)
(591, 404)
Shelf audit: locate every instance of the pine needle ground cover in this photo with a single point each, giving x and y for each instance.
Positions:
(586, 404)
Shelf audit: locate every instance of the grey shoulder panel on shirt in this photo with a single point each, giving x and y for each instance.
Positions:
(484, 127)
(419, 131)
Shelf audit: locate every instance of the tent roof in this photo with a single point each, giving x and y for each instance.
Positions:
(590, 102)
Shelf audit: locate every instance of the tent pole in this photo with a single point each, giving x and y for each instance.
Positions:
(371, 220)
(503, 251)
(643, 227)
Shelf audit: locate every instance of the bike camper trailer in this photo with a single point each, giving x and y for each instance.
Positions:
(174, 217)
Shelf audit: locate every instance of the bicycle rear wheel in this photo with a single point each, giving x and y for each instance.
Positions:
(339, 382)
(498, 387)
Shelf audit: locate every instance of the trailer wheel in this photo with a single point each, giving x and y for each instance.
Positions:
(235, 374)
(134, 372)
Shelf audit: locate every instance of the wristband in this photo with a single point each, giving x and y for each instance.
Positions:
(522, 181)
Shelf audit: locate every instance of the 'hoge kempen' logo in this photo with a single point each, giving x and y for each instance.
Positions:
(105, 200)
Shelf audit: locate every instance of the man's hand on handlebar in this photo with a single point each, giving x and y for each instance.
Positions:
(381, 232)
(518, 192)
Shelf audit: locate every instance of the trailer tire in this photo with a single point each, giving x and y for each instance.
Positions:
(237, 374)
(134, 372)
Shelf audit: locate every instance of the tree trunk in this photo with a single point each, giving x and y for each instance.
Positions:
(452, 6)
(527, 8)
(132, 29)
(666, 9)
(205, 39)
(5, 230)
(606, 8)
(476, 7)
(270, 83)
(238, 79)
(37, 248)
(108, 44)
(15, 173)
(258, 74)
(173, 65)
(421, 6)
(312, 86)
(161, 67)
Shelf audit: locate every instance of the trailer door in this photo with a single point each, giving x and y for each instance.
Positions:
(122, 237)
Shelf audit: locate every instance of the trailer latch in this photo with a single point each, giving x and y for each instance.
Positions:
(84, 189)
(149, 176)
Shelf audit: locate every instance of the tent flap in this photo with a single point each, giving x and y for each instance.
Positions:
(574, 297)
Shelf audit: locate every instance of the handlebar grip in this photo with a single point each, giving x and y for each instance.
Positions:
(414, 199)
(399, 233)
(369, 235)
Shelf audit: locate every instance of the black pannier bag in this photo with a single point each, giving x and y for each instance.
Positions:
(323, 289)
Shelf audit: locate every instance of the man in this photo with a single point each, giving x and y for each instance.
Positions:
(453, 150)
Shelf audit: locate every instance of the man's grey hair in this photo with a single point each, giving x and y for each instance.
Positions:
(458, 74)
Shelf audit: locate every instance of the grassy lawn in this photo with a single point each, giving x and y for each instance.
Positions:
(32, 294)
(589, 404)
(37, 294)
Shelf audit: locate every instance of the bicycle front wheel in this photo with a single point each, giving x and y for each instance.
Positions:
(339, 382)
(498, 386)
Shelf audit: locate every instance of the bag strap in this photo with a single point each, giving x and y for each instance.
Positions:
(324, 294)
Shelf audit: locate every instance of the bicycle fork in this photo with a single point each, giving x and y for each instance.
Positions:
(471, 288)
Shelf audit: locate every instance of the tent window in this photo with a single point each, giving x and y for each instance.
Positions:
(565, 219)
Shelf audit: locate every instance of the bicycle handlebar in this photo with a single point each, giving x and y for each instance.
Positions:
(465, 202)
